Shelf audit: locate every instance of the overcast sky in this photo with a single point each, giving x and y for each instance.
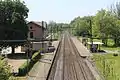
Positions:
(64, 10)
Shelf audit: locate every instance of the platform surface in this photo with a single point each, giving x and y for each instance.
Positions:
(41, 68)
(80, 47)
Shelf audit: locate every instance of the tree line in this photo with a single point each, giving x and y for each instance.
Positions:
(13, 26)
(54, 27)
(105, 24)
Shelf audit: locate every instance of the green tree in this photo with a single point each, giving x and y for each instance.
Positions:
(115, 9)
(5, 73)
(105, 25)
(55, 27)
(5, 70)
(12, 21)
(81, 25)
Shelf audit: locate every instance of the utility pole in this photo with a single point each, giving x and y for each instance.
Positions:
(28, 51)
(42, 35)
(43, 43)
(51, 34)
(54, 31)
(57, 31)
(91, 38)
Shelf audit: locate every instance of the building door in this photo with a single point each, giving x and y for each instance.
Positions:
(31, 34)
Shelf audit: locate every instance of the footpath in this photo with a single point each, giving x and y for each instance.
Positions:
(41, 68)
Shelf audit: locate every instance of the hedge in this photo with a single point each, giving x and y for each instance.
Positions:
(25, 68)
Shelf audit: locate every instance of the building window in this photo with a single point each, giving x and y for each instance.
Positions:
(31, 34)
(30, 27)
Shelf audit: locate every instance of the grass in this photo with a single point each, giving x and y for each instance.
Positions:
(108, 65)
(110, 48)
(21, 78)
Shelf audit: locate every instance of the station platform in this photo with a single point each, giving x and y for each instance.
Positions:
(41, 68)
(84, 52)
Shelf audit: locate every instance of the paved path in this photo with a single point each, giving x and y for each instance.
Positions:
(41, 68)
(15, 64)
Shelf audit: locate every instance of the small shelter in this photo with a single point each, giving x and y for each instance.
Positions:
(95, 46)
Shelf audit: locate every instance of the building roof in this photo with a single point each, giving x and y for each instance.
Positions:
(37, 23)
(100, 43)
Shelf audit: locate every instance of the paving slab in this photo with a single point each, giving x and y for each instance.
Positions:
(80, 47)
(41, 68)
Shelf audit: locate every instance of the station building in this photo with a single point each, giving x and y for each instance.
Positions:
(37, 30)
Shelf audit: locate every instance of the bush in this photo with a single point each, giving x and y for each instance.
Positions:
(115, 54)
(25, 68)
(5, 72)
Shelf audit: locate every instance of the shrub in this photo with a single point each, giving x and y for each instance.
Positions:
(5, 72)
(115, 54)
(36, 56)
(25, 68)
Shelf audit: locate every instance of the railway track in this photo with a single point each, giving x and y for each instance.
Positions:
(85, 71)
(73, 66)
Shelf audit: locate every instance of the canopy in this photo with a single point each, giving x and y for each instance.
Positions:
(100, 43)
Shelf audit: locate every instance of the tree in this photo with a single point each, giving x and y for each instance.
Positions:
(52, 26)
(12, 21)
(115, 10)
(81, 25)
(4, 70)
(55, 27)
(105, 25)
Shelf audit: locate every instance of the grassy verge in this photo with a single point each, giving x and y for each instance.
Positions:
(110, 44)
(20, 78)
(108, 65)
(110, 48)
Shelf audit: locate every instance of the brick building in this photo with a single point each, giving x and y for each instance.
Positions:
(37, 30)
